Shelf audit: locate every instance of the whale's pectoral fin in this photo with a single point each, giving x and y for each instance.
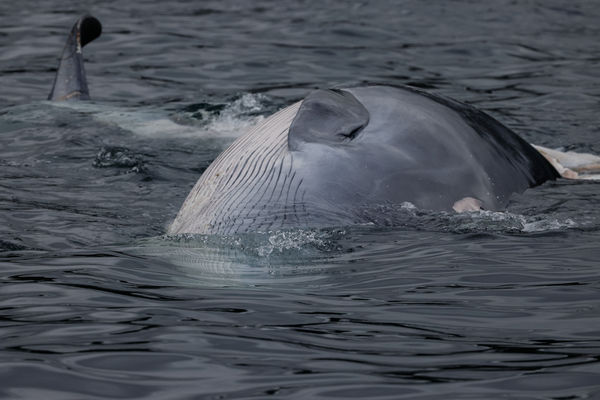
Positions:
(329, 117)
(70, 82)
(572, 165)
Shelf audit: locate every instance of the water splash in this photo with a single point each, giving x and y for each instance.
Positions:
(507, 222)
(120, 157)
(250, 260)
(226, 119)
(406, 215)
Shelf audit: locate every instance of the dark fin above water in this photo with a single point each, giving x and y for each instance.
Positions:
(70, 82)
(327, 116)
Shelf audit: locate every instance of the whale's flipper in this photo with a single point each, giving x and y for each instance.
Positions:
(70, 82)
(329, 117)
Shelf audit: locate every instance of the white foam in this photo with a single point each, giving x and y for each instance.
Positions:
(549, 224)
(504, 221)
(233, 120)
(282, 241)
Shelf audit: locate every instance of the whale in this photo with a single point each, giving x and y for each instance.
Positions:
(340, 156)
(354, 155)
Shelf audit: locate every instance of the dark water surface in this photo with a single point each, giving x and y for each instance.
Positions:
(95, 303)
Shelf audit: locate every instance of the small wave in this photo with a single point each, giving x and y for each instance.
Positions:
(312, 257)
(11, 245)
(507, 222)
(118, 157)
(263, 245)
(290, 241)
(246, 260)
(549, 224)
(409, 216)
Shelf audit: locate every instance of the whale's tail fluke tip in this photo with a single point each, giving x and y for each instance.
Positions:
(90, 29)
(70, 81)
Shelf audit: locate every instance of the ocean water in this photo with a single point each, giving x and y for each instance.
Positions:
(96, 302)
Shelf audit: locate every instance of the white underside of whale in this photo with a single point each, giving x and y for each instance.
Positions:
(232, 184)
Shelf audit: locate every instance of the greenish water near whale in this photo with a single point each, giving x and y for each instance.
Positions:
(95, 302)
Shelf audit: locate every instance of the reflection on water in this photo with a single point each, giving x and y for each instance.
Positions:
(96, 303)
(394, 310)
